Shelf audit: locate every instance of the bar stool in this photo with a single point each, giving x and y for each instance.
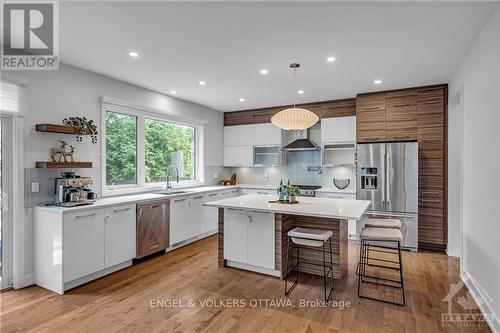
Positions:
(378, 237)
(380, 223)
(304, 238)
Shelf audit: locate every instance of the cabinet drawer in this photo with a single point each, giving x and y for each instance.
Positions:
(430, 199)
(430, 132)
(431, 167)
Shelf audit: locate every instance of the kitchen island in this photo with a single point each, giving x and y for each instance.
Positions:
(252, 231)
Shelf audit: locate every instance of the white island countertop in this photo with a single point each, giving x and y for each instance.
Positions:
(320, 207)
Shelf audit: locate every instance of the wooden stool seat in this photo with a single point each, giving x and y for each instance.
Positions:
(381, 234)
(309, 236)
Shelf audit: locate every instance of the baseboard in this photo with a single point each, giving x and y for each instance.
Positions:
(247, 267)
(191, 240)
(482, 299)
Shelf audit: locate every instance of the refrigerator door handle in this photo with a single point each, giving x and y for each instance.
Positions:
(387, 193)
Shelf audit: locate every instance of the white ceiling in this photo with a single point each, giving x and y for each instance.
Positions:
(226, 44)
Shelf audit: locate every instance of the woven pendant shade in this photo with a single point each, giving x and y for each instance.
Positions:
(294, 119)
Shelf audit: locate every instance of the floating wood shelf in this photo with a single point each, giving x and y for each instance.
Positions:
(63, 165)
(53, 128)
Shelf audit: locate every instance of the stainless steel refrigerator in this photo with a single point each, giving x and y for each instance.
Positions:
(387, 175)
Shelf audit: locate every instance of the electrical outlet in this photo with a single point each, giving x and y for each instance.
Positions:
(266, 178)
(35, 187)
(215, 175)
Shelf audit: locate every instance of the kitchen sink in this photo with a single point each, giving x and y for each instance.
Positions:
(172, 192)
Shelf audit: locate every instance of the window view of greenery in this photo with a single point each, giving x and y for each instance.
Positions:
(121, 149)
(167, 145)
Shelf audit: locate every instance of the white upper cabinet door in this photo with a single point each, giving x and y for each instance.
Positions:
(266, 134)
(339, 129)
(83, 243)
(238, 156)
(241, 135)
(120, 234)
(261, 240)
(235, 235)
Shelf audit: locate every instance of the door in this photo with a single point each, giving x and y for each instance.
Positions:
(179, 220)
(83, 243)
(5, 217)
(210, 214)
(235, 235)
(261, 239)
(402, 177)
(152, 228)
(238, 156)
(371, 174)
(119, 235)
(196, 214)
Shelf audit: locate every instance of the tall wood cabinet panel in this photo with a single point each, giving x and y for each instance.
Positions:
(401, 115)
(371, 117)
(431, 133)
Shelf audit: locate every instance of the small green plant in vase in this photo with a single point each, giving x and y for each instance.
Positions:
(293, 192)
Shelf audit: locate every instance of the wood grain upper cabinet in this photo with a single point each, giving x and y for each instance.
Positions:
(401, 115)
(371, 117)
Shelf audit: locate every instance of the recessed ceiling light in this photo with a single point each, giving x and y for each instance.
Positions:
(173, 92)
(133, 54)
(330, 59)
(242, 99)
(264, 71)
(377, 81)
(202, 83)
(300, 92)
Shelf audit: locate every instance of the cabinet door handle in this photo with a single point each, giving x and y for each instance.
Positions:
(83, 216)
(235, 209)
(121, 210)
(371, 108)
(154, 246)
(432, 102)
(258, 211)
(179, 200)
(234, 191)
(225, 193)
(401, 105)
(198, 197)
(212, 194)
(261, 192)
(430, 192)
(155, 206)
(431, 201)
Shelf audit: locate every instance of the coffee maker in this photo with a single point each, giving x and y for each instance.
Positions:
(72, 190)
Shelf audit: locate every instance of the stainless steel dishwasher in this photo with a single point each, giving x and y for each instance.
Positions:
(153, 227)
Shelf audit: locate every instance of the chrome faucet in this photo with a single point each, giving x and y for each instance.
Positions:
(169, 186)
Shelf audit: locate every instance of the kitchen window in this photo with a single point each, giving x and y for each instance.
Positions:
(139, 146)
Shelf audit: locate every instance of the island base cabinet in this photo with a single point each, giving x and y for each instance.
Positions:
(236, 235)
(249, 238)
(83, 244)
(261, 240)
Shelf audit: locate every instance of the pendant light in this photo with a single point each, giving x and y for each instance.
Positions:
(294, 118)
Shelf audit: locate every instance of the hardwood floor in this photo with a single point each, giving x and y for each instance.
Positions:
(123, 301)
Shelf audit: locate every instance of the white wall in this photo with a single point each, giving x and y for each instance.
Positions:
(54, 95)
(479, 74)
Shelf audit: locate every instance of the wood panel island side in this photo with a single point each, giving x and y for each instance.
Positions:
(253, 232)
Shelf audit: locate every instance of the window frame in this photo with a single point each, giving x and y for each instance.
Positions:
(142, 113)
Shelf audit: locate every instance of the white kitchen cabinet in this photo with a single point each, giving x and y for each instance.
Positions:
(211, 214)
(241, 135)
(338, 129)
(195, 221)
(260, 240)
(249, 238)
(235, 235)
(83, 243)
(235, 156)
(179, 219)
(120, 234)
(266, 134)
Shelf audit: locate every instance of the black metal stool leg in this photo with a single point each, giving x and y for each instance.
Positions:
(288, 291)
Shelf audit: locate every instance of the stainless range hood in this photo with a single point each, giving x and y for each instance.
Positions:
(302, 143)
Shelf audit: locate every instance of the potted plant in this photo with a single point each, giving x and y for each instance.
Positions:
(293, 192)
(82, 126)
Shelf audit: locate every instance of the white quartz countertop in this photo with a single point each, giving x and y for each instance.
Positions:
(320, 207)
